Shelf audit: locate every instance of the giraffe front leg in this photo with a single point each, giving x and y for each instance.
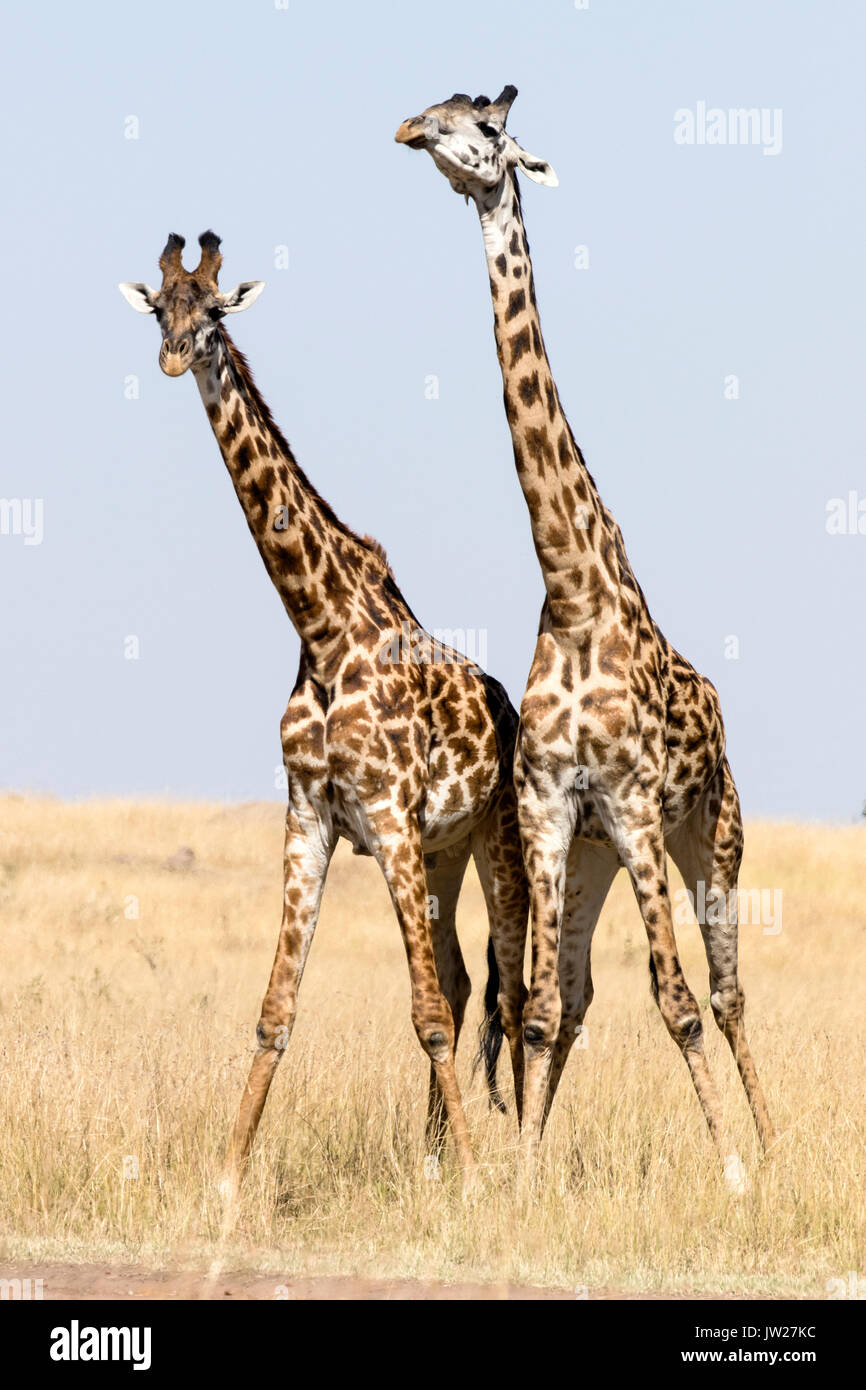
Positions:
(547, 819)
(308, 850)
(401, 859)
(591, 869)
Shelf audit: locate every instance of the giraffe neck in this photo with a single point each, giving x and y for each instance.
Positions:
(575, 538)
(315, 563)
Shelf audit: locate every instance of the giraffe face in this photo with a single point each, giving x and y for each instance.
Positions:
(189, 304)
(470, 145)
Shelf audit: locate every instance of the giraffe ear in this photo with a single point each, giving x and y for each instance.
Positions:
(242, 296)
(141, 297)
(536, 169)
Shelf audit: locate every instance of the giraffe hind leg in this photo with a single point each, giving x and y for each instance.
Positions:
(401, 858)
(445, 873)
(707, 850)
(639, 837)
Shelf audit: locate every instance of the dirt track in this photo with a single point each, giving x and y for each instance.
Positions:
(133, 1283)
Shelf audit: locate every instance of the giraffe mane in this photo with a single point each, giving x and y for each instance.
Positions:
(378, 549)
(515, 184)
(247, 381)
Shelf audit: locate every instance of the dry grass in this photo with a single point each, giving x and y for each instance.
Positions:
(126, 1036)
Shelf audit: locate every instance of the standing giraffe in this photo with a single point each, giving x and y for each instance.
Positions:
(397, 744)
(621, 750)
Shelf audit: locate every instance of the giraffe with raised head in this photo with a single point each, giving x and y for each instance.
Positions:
(390, 740)
(621, 748)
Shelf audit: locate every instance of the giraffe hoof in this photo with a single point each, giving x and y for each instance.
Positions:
(735, 1176)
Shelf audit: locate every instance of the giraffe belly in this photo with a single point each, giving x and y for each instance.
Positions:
(351, 822)
(440, 828)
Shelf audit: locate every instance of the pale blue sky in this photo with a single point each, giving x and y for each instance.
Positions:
(276, 127)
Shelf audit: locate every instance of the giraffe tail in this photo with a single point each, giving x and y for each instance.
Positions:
(490, 1038)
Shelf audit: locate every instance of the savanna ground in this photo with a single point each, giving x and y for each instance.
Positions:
(130, 992)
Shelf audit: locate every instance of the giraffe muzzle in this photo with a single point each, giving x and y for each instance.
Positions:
(174, 358)
(413, 133)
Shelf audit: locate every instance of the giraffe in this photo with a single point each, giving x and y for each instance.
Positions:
(620, 750)
(390, 740)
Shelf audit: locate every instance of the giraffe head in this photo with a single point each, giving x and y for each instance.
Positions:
(470, 145)
(189, 304)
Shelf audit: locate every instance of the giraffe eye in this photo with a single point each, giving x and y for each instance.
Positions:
(490, 131)
(215, 314)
